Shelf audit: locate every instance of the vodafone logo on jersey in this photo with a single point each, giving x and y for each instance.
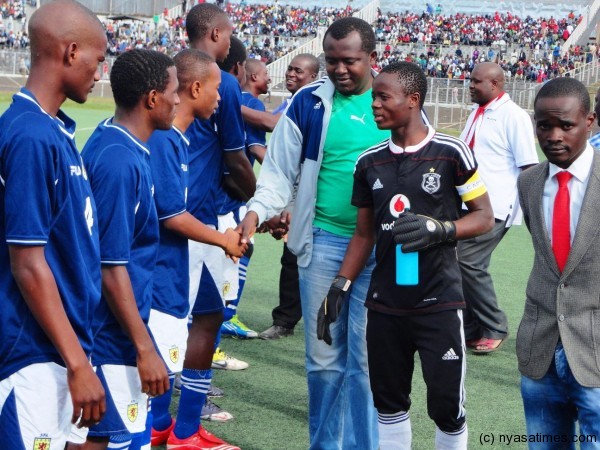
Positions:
(398, 204)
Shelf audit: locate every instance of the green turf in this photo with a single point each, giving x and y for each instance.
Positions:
(269, 399)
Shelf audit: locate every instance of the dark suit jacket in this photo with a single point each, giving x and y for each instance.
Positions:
(567, 305)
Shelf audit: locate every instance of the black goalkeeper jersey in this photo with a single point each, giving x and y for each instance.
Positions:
(433, 179)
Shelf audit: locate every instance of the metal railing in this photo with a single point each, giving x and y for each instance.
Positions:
(448, 102)
(579, 33)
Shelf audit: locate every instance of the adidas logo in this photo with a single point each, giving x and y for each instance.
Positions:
(450, 355)
(377, 184)
(318, 105)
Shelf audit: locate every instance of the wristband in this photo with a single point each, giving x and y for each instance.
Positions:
(342, 283)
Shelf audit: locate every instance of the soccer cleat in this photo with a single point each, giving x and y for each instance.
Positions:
(236, 328)
(214, 391)
(214, 413)
(202, 440)
(222, 360)
(276, 332)
(160, 437)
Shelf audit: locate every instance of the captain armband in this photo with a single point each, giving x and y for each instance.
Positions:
(473, 188)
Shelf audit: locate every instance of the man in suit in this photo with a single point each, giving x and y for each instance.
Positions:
(558, 343)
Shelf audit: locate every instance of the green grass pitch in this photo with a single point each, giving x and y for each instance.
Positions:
(269, 399)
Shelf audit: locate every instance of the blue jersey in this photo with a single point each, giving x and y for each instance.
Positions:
(284, 104)
(254, 136)
(169, 164)
(223, 132)
(45, 200)
(118, 166)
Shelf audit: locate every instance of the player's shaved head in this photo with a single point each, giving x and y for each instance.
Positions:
(59, 23)
(311, 62)
(192, 65)
(253, 66)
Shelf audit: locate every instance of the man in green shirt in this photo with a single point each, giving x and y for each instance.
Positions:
(315, 144)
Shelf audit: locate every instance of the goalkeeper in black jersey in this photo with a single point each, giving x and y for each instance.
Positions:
(409, 190)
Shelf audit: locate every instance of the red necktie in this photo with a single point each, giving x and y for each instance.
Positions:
(561, 221)
(478, 114)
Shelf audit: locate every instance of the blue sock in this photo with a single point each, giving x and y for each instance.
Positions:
(194, 386)
(160, 407)
(244, 263)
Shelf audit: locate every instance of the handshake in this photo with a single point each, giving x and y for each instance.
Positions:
(415, 232)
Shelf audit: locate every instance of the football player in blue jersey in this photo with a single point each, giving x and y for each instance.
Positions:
(213, 143)
(49, 250)
(199, 79)
(253, 77)
(144, 85)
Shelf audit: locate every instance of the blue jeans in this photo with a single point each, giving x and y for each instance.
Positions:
(556, 401)
(341, 414)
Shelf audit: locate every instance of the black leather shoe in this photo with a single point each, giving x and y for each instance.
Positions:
(276, 332)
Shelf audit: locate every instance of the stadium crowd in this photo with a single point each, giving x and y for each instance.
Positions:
(490, 29)
(12, 25)
(527, 49)
(445, 46)
(518, 64)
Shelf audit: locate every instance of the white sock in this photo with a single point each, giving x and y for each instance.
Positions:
(456, 440)
(394, 431)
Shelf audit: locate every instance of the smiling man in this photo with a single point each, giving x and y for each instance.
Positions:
(316, 144)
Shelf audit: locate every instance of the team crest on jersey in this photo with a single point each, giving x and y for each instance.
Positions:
(226, 288)
(398, 204)
(41, 443)
(174, 354)
(431, 181)
(132, 411)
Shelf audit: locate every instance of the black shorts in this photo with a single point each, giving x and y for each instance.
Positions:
(439, 338)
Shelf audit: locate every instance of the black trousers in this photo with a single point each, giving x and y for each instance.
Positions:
(438, 338)
(289, 311)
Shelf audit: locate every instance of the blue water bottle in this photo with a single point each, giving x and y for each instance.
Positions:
(407, 267)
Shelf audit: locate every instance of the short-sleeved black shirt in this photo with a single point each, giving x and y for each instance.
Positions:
(424, 178)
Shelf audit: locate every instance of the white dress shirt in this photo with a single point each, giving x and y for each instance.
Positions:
(580, 169)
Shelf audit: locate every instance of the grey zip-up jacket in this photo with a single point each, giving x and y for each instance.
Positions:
(295, 154)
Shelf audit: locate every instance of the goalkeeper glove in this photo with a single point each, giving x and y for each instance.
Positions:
(417, 232)
(331, 307)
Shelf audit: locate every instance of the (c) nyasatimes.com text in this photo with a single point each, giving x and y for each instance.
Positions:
(486, 439)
